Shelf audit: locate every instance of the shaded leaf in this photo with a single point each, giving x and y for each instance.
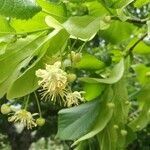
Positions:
(115, 36)
(110, 138)
(141, 71)
(88, 118)
(103, 118)
(143, 119)
(89, 62)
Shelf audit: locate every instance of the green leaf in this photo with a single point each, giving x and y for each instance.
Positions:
(35, 24)
(114, 77)
(28, 82)
(90, 144)
(117, 3)
(103, 118)
(82, 27)
(82, 146)
(140, 3)
(120, 98)
(5, 27)
(143, 118)
(5, 34)
(142, 49)
(89, 62)
(92, 90)
(131, 136)
(110, 138)
(23, 50)
(55, 10)
(96, 9)
(120, 12)
(110, 3)
(78, 121)
(22, 9)
(106, 139)
(53, 23)
(19, 50)
(115, 36)
(141, 71)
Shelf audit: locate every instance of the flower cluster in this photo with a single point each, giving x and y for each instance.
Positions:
(23, 117)
(54, 83)
(73, 98)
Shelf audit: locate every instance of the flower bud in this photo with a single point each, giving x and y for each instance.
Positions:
(75, 57)
(67, 63)
(127, 103)
(148, 113)
(147, 74)
(130, 119)
(138, 127)
(5, 109)
(124, 132)
(71, 77)
(40, 121)
(145, 130)
(115, 126)
(107, 19)
(111, 105)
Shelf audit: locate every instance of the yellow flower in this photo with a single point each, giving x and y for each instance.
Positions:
(23, 117)
(53, 81)
(74, 98)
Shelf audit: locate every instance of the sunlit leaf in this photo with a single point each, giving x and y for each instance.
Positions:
(114, 77)
(140, 3)
(92, 90)
(22, 9)
(82, 27)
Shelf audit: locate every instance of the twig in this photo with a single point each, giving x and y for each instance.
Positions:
(138, 21)
(129, 51)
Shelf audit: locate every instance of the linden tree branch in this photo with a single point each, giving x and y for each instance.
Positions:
(129, 51)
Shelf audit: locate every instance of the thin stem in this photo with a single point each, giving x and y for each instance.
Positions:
(73, 44)
(82, 46)
(27, 101)
(129, 51)
(37, 100)
(132, 20)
